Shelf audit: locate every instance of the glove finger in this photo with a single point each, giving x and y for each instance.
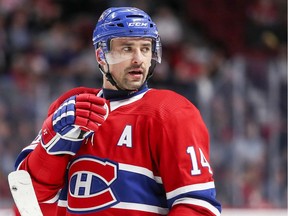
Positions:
(91, 98)
(83, 105)
(95, 117)
(92, 107)
(84, 122)
(91, 124)
(98, 109)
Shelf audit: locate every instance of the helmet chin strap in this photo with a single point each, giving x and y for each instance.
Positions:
(109, 77)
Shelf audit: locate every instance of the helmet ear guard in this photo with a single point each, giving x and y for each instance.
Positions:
(101, 55)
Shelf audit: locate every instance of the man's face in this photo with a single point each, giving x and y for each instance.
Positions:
(129, 61)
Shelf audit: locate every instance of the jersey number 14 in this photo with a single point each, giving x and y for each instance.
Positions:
(203, 162)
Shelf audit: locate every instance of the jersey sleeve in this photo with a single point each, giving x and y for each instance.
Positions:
(47, 171)
(182, 152)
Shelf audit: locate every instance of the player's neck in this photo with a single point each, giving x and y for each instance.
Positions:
(110, 94)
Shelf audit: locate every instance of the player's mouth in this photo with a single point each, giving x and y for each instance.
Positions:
(136, 73)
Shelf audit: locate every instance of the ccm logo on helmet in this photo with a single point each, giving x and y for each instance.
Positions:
(138, 24)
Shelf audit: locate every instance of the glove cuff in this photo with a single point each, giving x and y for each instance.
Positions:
(48, 135)
(67, 141)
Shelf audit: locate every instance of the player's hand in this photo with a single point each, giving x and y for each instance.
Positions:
(75, 120)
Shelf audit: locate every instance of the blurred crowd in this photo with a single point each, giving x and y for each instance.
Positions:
(229, 57)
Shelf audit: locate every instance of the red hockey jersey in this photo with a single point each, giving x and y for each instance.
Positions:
(150, 157)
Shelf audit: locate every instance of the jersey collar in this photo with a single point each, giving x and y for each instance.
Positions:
(114, 95)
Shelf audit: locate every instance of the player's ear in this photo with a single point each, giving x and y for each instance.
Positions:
(100, 57)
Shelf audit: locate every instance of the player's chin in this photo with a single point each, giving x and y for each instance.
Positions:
(134, 85)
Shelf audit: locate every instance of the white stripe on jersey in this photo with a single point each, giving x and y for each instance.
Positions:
(140, 170)
(190, 188)
(54, 199)
(198, 202)
(32, 146)
(141, 207)
(62, 203)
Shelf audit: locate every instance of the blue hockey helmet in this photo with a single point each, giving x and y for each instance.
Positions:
(126, 22)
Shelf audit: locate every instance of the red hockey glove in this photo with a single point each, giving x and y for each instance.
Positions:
(76, 119)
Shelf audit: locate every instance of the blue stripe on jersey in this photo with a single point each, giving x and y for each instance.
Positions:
(21, 157)
(139, 189)
(207, 195)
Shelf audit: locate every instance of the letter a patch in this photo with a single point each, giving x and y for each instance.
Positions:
(126, 137)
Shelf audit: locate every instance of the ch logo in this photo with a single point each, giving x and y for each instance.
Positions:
(90, 181)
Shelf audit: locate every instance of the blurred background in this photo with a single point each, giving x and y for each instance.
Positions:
(228, 57)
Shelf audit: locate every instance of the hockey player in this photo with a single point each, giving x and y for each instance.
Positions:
(123, 149)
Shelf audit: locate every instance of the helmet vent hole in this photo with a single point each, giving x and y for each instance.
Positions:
(134, 16)
(120, 25)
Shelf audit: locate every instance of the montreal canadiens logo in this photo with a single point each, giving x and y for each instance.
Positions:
(90, 181)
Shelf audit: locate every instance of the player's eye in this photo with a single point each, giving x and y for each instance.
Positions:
(126, 49)
(146, 49)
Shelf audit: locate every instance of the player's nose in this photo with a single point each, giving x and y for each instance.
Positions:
(137, 56)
